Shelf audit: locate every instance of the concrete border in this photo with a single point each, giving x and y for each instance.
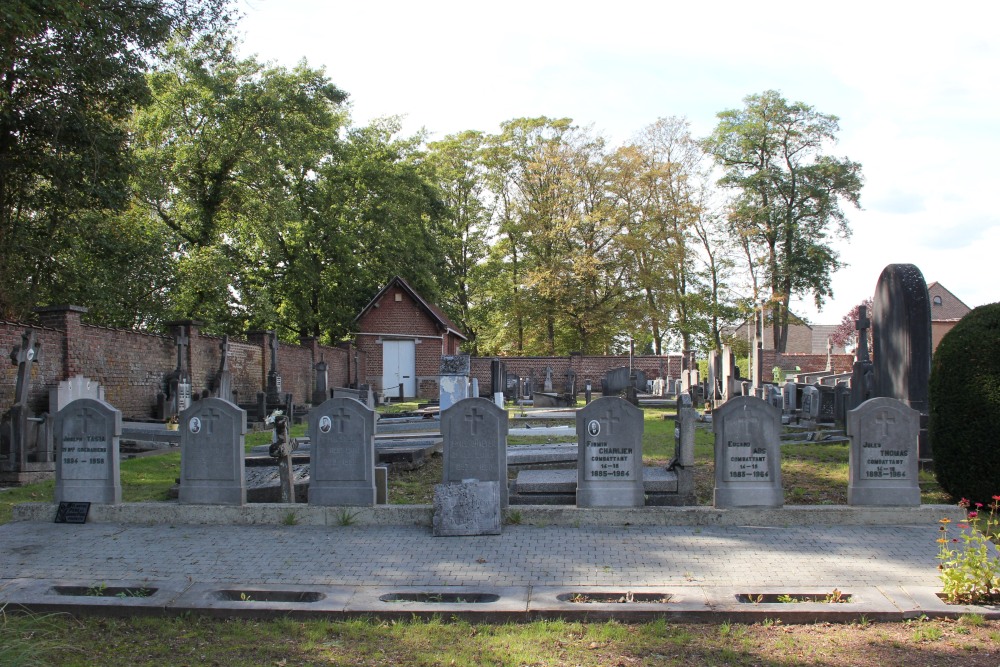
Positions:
(538, 515)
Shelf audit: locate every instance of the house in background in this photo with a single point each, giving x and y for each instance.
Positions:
(946, 310)
(802, 338)
(404, 337)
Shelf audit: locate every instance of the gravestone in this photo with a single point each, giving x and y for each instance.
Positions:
(87, 459)
(615, 381)
(728, 373)
(321, 389)
(639, 381)
(467, 508)
(474, 388)
(827, 413)
(74, 388)
(863, 375)
(810, 402)
(547, 383)
(774, 396)
(454, 379)
(342, 453)
(212, 453)
(609, 463)
(684, 437)
(26, 448)
(588, 390)
(789, 395)
(474, 431)
(901, 330)
(747, 454)
(224, 378)
(499, 380)
(883, 460)
(273, 391)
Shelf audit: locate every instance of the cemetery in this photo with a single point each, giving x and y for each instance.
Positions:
(509, 452)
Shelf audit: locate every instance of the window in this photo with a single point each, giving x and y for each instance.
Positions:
(937, 301)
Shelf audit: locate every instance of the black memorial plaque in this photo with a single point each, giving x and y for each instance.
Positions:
(72, 512)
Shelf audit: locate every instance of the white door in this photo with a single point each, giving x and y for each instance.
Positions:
(399, 365)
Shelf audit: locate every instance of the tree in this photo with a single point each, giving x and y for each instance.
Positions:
(846, 332)
(70, 75)
(788, 194)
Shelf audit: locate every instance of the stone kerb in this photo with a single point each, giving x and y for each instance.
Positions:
(609, 464)
(747, 454)
(342, 453)
(474, 431)
(213, 472)
(885, 435)
(87, 458)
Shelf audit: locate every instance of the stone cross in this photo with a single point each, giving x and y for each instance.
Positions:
(181, 341)
(274, 352)
(25, 354)
(224, 348)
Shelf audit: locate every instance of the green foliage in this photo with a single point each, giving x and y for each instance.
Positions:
(964, 396)
(787, 194)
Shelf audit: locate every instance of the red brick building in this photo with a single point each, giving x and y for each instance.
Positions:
(404, 336)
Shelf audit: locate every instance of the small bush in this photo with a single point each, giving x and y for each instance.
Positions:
(964, 396)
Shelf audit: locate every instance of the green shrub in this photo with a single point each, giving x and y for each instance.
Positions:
(964, 396)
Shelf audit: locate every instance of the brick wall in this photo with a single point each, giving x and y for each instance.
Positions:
(592, 367)
(132, 365)
(842, 363)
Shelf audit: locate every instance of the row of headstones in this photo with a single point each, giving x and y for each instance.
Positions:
(883, 454)
(213, 431)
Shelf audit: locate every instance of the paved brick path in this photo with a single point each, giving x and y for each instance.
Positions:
(714, 556)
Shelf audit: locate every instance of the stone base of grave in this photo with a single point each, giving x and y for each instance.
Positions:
(27, 477)
(663, 488)
(885, 496)
(466, 508)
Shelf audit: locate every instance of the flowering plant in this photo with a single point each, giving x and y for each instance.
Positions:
(970, 568)
(273, 416)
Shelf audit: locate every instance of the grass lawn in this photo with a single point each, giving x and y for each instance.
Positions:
(197, 640)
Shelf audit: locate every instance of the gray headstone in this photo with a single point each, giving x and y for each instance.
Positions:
(617, 380)
(467, 508)
(212, 453)
(72, 389)
(474, 387)
(883, 461)
(901, 332)
(453, 388)
(87, 460)
(827, 405)
(342, 453)
(547, 382)
(609, 464)
(789, 396)
(474, 431)
(747, 454)
(810, 402)
(684, 449)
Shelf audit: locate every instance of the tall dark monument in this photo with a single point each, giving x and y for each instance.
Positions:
(901, 331)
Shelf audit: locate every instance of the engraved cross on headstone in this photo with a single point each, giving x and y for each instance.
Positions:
(474, 417)
(84, 419)
(208, 419)
(746, 426)
(611, 420)
(342, 420)
(861, 325)
(884, 419)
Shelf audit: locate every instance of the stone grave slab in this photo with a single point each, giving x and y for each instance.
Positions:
(342, 453)
(475, 443)
(747, 454)
(885, 436)
(467, 508)
(212, 459)
(609, 433)
(86, 432)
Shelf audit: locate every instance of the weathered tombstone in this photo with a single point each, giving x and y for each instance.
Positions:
(810, 402)
(87, 459)
(901, 330)
(570, 387)
(467, 508)
(774, 397)
(588, 389)
(321, 390)
(747, 454)
(474, 388)
(499, 381)
(212, 453)
(454, 379)
(474, 431)
(883, 460)
(615, 381)
(728, 373)
(827, 413)
(609, 463)
(789, 393)
(639, 380)
(547, 383)
(841, 398)
(342, 453)
(281, 449)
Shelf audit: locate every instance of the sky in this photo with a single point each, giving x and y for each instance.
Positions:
(916, 89)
